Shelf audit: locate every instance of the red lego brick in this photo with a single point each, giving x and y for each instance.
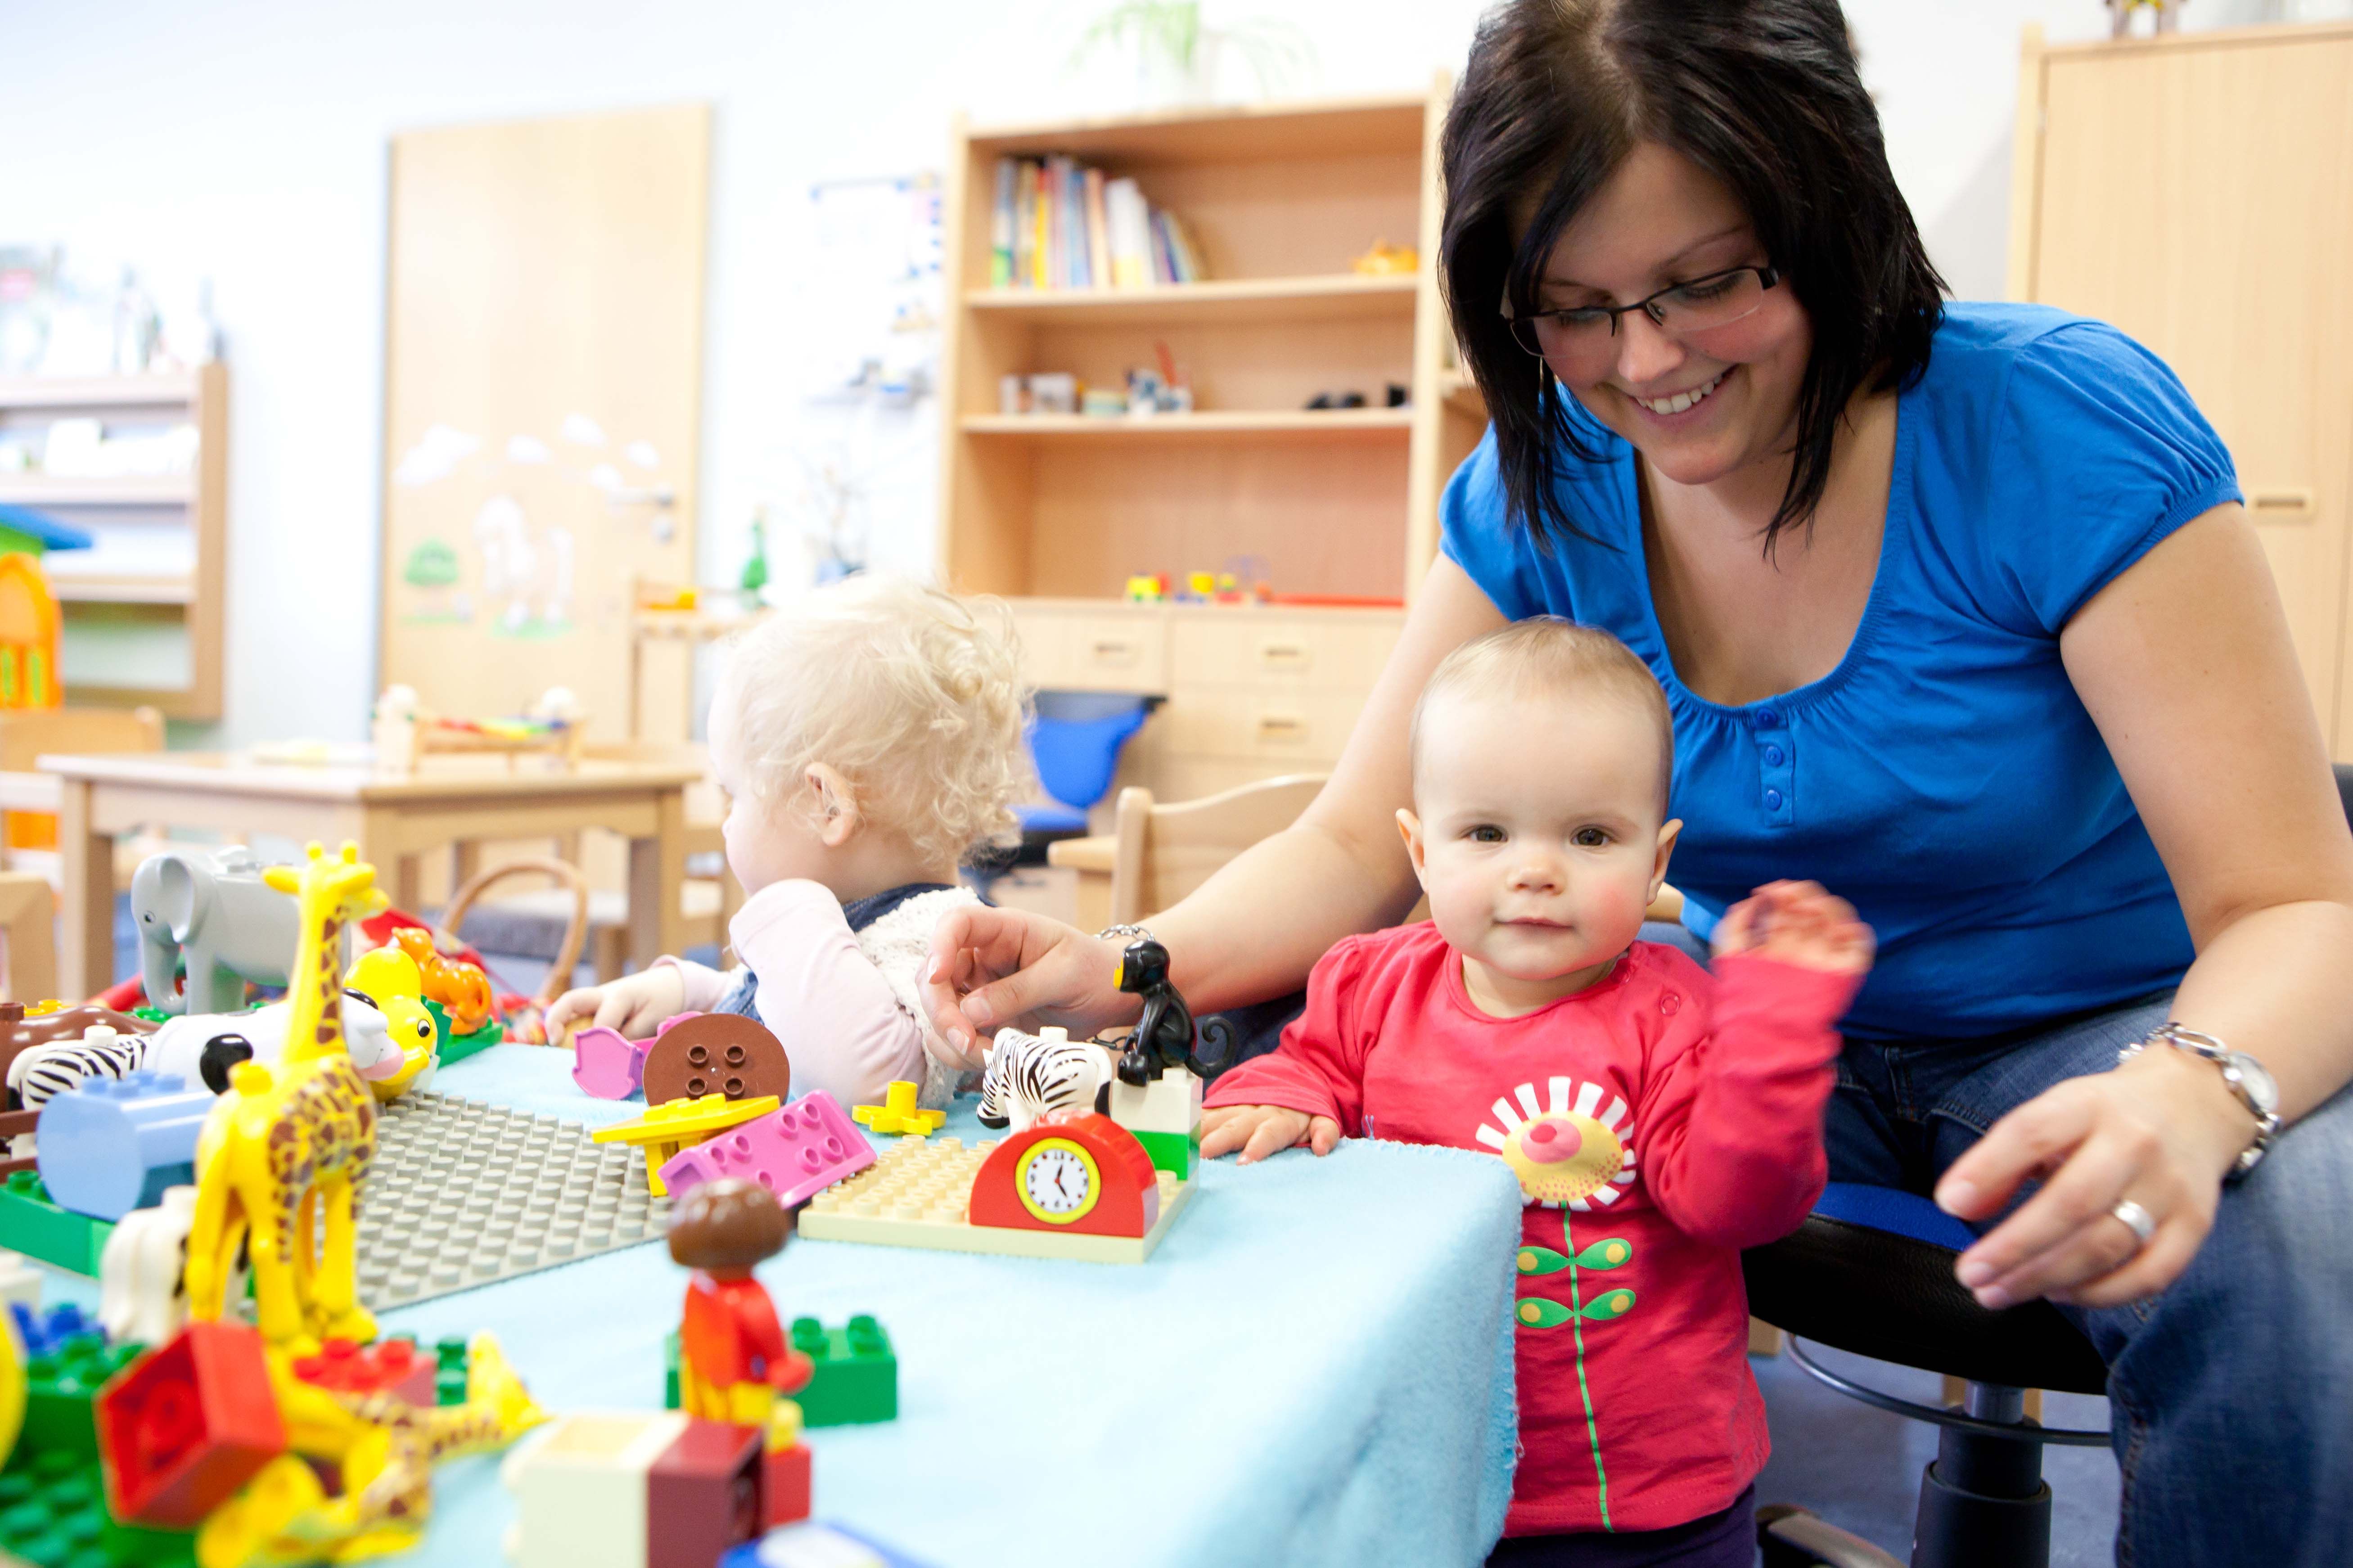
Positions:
(785, 1485)
(181, 1427)
(391, 1366)
(702, 1496)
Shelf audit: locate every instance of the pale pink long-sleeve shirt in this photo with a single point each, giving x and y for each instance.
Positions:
(847, 1004)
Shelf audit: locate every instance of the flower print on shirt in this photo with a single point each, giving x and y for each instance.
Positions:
(1565, 1155)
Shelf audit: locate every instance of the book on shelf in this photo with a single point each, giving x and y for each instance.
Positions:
(1059, 224)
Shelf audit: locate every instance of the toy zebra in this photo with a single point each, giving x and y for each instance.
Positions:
(1028, 1075)
(44, 1072)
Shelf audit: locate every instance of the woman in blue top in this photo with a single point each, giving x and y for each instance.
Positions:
(1957, 611)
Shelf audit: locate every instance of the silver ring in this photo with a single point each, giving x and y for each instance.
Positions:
(2138, 1220)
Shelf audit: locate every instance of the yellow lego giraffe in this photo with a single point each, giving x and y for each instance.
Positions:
(292, 1138)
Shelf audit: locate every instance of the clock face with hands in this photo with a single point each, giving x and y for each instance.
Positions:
(1057, 1181)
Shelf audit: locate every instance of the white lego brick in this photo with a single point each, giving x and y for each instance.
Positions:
(19, 1281)
(580, 1492)
(1171, 1103)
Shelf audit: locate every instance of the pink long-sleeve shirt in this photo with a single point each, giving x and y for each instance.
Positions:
(847, 1004)
(1659, 1121)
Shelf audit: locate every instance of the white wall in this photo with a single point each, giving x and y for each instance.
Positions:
(245, 140)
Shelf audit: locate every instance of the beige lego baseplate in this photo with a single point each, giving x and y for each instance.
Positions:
(917, 1193)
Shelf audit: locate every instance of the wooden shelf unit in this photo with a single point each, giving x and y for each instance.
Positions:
(1280, 200)
(193, 597)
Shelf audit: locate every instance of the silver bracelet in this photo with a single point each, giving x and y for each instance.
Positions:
(2248, 1080)
(1129, 932)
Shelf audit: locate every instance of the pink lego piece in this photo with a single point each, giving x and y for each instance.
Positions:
(796, 1151)
(606, 1065)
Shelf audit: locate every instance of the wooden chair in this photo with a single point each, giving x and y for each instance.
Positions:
(28, 921)
(1163, 852)
(708, 902)
(28, 733)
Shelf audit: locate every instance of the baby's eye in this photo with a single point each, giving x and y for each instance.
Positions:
(1590, 838)
(1485, 833)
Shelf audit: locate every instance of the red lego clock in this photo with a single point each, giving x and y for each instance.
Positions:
(1075, 1173)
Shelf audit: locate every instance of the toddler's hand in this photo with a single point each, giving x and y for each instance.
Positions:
(1259, 1130)
(1797, 922)
(636, 1004)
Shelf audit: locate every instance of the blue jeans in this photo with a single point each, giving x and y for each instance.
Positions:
(2232, 1390)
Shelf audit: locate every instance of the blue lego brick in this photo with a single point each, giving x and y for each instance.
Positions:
(46, 1332)
(112, 1145)
(857, 1377)
(30, 1223)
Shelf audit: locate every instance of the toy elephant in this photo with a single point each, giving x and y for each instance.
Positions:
(214, 914)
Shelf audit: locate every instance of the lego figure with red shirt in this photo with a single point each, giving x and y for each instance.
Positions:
(734, 1362)
(1659, 1117)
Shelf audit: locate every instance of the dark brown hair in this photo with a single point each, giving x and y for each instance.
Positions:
(727, 1224)
(1763, 94)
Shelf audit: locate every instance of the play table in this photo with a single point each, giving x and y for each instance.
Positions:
(1315, 1368)
(394, 818)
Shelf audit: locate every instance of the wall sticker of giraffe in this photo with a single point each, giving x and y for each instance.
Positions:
(293, 1139)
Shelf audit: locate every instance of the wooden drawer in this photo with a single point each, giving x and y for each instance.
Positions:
(1107, 652)
(1252, 723)
(1338, 652)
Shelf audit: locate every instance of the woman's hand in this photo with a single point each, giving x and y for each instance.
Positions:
(1797, 923)
(636, 1004)
(1259, 1130)
(2162, 1130)
(991, 967)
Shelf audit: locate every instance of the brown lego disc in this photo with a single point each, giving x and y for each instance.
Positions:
(716, 1053)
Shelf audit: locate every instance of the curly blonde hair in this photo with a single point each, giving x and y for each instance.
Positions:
(913, 696)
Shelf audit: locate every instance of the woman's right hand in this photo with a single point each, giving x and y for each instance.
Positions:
(991, 967)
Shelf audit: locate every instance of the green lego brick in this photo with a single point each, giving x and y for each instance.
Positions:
(53, 1515)
(456, 1047)
(670, 1373)
(58, 1388)
(32, 1225)
(449, 1357)
(857, 1377)
(1178, 1152)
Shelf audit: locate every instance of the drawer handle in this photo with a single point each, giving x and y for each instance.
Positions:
(1281, 727)
(1283, 653)
(1110, 648)
(2280, 504)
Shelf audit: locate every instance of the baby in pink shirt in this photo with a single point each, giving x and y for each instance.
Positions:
(868, 738)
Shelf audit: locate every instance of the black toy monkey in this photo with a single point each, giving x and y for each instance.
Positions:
(1164, 1034)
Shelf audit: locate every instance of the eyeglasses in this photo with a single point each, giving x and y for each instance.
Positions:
(1584, 332)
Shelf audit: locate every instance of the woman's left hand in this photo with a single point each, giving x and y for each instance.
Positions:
(2161, 1130)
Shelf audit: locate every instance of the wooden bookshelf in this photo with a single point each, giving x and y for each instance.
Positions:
(1055, 513)
(100, 603)
(1279, 199)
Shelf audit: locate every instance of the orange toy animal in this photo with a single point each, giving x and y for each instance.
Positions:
(463, 991)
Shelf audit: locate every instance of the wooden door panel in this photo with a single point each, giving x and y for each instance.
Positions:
(542, 387)
(2195, 197)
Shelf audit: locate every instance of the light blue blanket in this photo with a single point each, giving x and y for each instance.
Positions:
(1315, 1368)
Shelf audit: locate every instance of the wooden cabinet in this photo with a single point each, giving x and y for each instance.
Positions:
(2197, 191)
(1055, 513)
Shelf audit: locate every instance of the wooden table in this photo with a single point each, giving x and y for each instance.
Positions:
(393, 818)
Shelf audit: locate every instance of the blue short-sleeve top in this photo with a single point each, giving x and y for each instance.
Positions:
(1945, 777)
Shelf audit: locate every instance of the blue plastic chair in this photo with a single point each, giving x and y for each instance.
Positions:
(1075, 738)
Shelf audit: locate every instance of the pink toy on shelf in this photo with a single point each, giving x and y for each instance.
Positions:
(606, 1065)
(796, 1151)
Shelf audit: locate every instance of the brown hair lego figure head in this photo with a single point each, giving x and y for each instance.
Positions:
(726, 1226)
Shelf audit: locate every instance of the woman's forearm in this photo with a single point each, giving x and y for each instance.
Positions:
(2277, 983)
(1256, 928)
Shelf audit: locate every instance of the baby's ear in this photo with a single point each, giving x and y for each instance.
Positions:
(1409, 825)
(836, 803)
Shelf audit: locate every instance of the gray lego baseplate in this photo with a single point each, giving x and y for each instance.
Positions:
(463, 1194)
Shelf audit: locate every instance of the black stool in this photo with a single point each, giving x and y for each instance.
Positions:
(1871, 1272)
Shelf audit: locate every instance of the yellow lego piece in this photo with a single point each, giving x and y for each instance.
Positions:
(897, 1114)
(666, 1128)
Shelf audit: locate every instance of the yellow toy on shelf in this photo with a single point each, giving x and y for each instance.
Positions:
(292, 1139)
(384, 1450)
(405, 733)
